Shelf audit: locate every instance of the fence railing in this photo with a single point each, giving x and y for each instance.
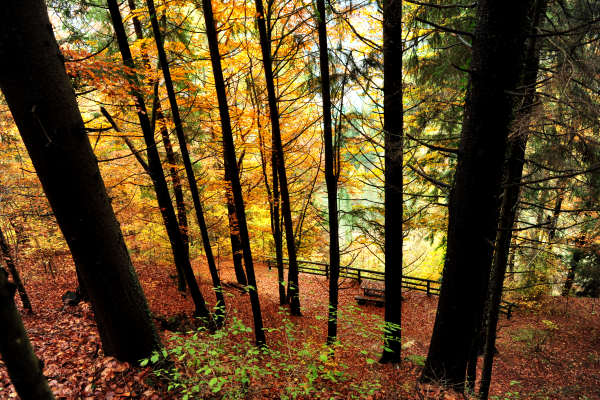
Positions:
(427, 286)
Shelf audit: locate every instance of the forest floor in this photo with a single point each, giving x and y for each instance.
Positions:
(547, 351)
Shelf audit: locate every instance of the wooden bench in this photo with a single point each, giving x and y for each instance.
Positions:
(376, 301)
(373, 288)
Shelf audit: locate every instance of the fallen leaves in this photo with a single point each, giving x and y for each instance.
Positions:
(65, 338)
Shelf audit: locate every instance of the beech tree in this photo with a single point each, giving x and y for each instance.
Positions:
(279, 161)
(42, 101)
(187, 162)
(155, 168)
(230, 160)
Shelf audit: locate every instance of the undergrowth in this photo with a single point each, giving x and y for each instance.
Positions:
(227, 364)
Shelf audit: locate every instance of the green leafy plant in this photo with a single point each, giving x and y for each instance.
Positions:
(227, 364)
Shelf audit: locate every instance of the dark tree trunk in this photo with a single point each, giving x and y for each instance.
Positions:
(555, 214)
(163, 210)
(330, 176)
(234, 236)
(155, 169)
(510, 201)
(10, 263)
(24, 368)
(177, 188)
(474, 207)
(577, 256)
(175, 179)
(265, 45)
(393, 121)
(231, 165)
(164, 64)
(277, 234)
(42, 101)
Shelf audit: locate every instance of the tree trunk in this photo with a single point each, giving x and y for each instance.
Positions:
(393, 121)
(293, 288)
(163, 210)
(231, 165)
(155, 167)
(330, 177)
(234, 235)
(273, 196)
(510, 201)
(474, 208)
(42, 101)
(164, 64)
(277, 234)
(24, 368)
(177, 188)
(8, 260)
(577, 256)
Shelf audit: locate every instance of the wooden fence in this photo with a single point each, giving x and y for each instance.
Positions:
(427, 286)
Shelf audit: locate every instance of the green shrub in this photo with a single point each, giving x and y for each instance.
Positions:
(226, 364)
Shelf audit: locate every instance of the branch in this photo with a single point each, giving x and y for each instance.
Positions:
(445, 29)
(135, 152)
(441, 6)
(428, 178)
(432, 146)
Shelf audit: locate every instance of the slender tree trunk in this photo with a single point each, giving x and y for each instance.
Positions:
(234, 235)
(9, 261)
(42, 102)
(293, 288)
(273, 195)
(277, 234)
(163, 210)
(155, 168)
(393, 120)
(474, 207)
(231, 165)
(175, 179)
(577, 256)
(164, 64)
(24, 368)
(330, 177)
(177, 188)
(510, 200)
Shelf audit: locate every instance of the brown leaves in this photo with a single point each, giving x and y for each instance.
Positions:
(67, 341)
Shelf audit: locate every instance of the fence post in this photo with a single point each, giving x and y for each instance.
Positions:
(509, 311)
(428, 288)
(359, 279)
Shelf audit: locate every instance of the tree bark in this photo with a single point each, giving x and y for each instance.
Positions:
(163, 210)
(24, 368)
(510, 202)
(234, 235)
(265, 45)
(231, 165)
(10, 263)
(42, 102)
(177, 187)
(212, 266)
(393, 120)
(155, 167)
(577, 256)
(474, 207)
(330, 176)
